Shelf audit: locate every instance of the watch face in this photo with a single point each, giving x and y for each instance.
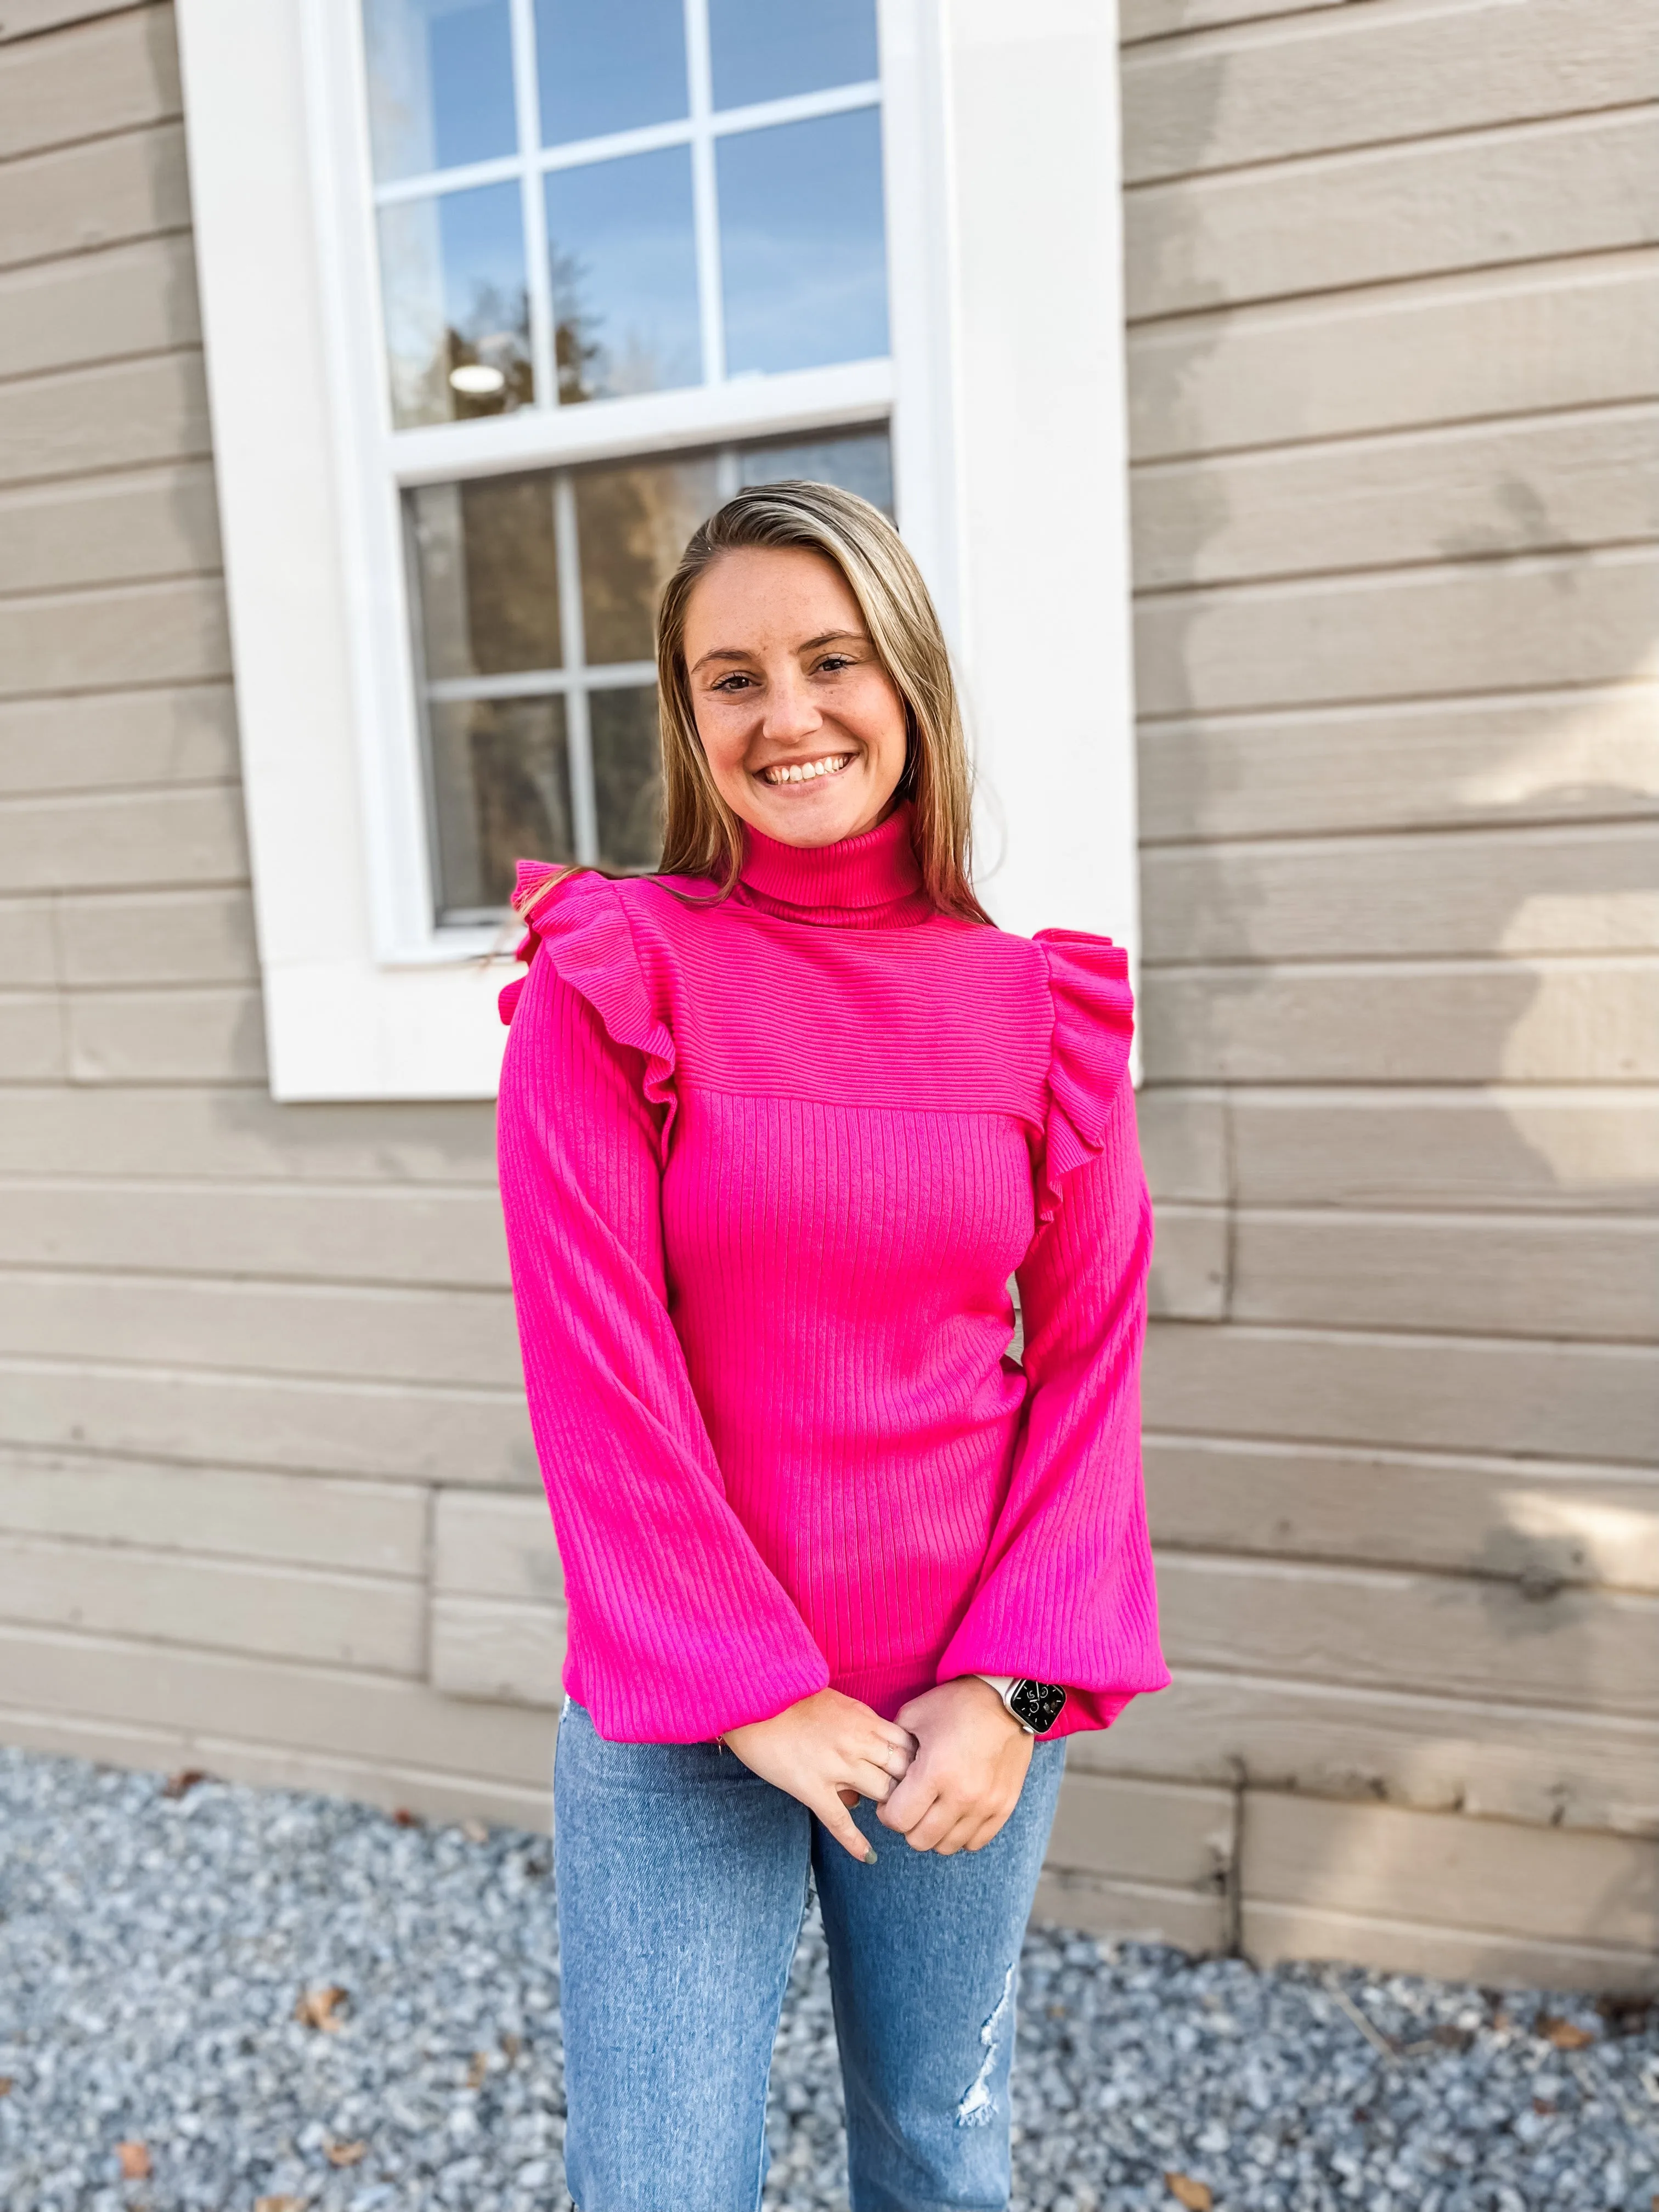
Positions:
(1039, 1705)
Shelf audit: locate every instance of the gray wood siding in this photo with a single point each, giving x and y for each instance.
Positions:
(268, 1503)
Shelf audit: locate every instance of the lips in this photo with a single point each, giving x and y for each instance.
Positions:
(812, 771)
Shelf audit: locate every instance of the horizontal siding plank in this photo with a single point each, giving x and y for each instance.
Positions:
(390, 1784)
(109, 530)
(488, 1544)
(125, 414)
(1387, 1862)
(98, 307)
(166, 837)
(135, 633)
(165, 1037)
(28, 949)
(1589, 184)
(1128, 1911)
(103, 193)
(1539, 1527)
(1276, 1932)
(1503, 1021)
(1482, 627)
(287, 1613)
(91, 80)
(1191, 1263)
(1446, 349)
(26, 19)
(1470, 490)
(1578, 1650)
(1175, 1834)
(1183, 1142)
(293, 1520)
(1545, 891)
(1366, 76)
(314, 1710)
(1140, 20)
(314, 1329)
(1560, 1277)
(158, 936)
(183, 735)
(216, 1133)
(1574, 1401)
(32, 1047)
(405, 1432)
(1458, 1150)
(1433, 763)
(497, 1652)
(310, 1234)
(1511, 1761)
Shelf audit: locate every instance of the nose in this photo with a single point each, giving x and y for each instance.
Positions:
(790, 714)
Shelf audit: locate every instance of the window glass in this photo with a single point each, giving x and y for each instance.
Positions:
(439, 83)
(456, 318)
(501, 785)
(802, 244)
(770, 49)
(622, 248)
(861, 464)
(484, 553)
(609, 65)
(632, 523)
(627, 776)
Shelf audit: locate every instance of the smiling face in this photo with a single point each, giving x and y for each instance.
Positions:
(802, 727)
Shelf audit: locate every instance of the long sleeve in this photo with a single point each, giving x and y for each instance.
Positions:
(678, 1629)
(1066, 1593)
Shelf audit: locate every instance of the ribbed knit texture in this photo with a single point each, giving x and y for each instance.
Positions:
(766, 1165)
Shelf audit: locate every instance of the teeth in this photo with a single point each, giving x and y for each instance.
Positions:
(807, 770)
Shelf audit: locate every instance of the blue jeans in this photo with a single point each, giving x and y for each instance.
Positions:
(682, 1883)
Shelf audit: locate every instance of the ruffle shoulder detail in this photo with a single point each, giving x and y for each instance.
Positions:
(1089, 1056)
(582, 927)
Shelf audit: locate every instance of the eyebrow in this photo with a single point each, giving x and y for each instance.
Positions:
(811, 645)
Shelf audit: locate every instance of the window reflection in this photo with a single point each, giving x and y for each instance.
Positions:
(623, 248)
(803, 245)
(632, 524)
(627, 777)
(609, 65)
(439, 83)
(770, 49)
(457, 320)
(489, 576)
(500, 783)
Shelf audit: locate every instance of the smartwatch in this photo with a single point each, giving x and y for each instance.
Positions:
(1036, 1706)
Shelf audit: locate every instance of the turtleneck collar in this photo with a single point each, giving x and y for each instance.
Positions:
(872, 881)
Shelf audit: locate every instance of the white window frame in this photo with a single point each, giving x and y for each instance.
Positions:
(1009, 470)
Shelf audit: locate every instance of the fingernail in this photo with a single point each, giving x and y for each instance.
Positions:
(869, 1854)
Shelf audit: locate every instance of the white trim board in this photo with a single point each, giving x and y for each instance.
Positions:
(1005, 392)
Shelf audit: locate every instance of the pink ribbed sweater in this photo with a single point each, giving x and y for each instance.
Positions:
(767, 1167)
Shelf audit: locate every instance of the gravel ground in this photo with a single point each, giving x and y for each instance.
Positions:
(154, 1951)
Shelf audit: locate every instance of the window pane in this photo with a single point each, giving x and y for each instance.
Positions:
(609, 65)
(439, 83)
(627, 777)
(802, 244)
(632, 524)
(489, 580)
(457, 320)
(768, 49)
(863, 464)
(624, 272)
(501, 785)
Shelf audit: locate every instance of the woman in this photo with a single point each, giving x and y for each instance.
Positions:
(776, 1126)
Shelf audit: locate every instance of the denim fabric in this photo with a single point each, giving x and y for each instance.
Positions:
(682, 1883)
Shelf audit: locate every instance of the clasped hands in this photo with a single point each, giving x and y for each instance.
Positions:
(944, 1776)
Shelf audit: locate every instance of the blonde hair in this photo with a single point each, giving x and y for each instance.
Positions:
(701, 834)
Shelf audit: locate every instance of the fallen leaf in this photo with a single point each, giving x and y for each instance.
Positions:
(1624, 2015)
(511, 2044)
(1543, 2107)
(134, 2162)
(475, 1832)
(404, 1819)
(279, 2205)
(345, 2153)
(6, 2085)
(1185, 2191)
(320, 2009)
(477, 2071)
(1563, 2034)
(180, 1785)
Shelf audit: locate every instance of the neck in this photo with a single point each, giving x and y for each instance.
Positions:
(872, 881)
